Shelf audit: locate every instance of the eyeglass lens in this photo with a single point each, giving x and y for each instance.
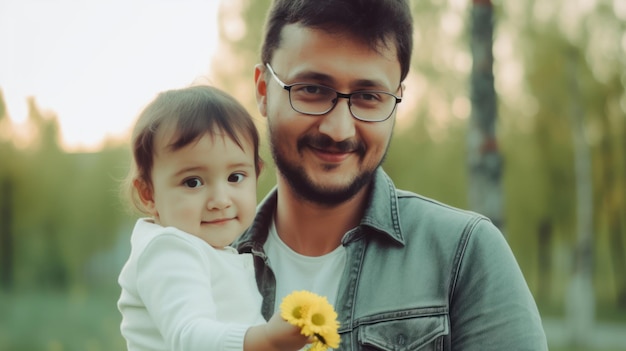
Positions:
(317, 100)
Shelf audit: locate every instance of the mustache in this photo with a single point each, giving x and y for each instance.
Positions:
(324, 142)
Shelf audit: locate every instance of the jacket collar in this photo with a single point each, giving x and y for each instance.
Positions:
(382, 215)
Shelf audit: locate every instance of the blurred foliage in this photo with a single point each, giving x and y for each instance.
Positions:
(64, 232)
(65, 208)
(63, 239)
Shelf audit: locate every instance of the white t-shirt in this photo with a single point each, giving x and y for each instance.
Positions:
(294, 272)
(180, 293)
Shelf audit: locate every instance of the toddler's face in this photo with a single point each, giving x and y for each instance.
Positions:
(207, 188)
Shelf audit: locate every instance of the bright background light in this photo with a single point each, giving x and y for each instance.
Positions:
(96, 63)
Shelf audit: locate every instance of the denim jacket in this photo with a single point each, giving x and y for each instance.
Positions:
(420, 275)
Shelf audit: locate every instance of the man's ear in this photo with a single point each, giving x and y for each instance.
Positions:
(146, 195)
(260, 88)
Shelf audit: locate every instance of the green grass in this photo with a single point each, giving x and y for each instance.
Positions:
(54, 321)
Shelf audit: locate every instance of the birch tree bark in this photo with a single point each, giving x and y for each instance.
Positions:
(580, 295)
(484, 158)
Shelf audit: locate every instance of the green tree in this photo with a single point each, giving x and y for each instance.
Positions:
(39, 191)
(567, 143)
(7, 155)
(484, 157)
(66, 208)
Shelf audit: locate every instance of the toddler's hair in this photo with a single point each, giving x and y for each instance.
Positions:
(191, 113)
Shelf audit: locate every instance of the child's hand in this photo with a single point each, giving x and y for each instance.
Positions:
(285, 336)
(275, 335)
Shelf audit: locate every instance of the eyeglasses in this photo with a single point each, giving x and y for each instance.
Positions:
(317, 100)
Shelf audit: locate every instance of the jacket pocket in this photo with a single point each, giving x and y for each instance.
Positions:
(410, 334)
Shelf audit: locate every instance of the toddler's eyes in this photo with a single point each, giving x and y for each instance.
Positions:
(236, 177)
(192, 182)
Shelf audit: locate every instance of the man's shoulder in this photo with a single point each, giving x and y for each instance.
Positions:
(426, 217)
(387, 197)
(410, 201)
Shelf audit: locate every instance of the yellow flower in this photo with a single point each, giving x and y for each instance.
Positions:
(322, 323)
(294, 307)
(315, 316)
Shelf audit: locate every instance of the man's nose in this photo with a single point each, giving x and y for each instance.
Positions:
(338, 123)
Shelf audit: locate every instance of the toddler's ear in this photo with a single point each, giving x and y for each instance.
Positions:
(146, 195)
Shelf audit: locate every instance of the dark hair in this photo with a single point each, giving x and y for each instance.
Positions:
(192, 112)
(375, 22)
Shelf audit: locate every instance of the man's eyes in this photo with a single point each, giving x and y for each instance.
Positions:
(367, 96)
(322, 91)
(312, 89)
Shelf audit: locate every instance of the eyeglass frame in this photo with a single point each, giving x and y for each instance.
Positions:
(348, 96)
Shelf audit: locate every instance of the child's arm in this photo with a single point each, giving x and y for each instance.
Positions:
(275, 335)
(172, 277)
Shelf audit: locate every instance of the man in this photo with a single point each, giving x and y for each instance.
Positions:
(404, 272)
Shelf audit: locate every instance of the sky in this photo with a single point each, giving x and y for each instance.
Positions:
(96, 63)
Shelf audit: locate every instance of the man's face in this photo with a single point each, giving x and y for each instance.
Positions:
(326, 159)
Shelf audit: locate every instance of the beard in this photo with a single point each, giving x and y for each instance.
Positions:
(304, 187)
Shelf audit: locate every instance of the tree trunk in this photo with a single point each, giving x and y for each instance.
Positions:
(580, 300)
(544, 249)
(484, 158)
(6, 236)
(619, 260)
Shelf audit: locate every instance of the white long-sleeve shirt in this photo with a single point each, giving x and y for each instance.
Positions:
(179, 293)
